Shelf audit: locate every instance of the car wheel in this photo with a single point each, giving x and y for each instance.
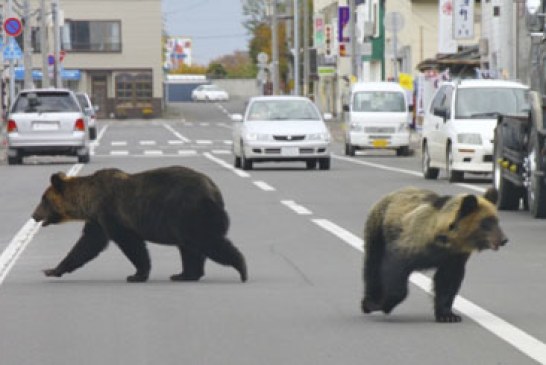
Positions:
(324, 163)
(15, 160)
(402, 151)
(236, 160)
(508, 194)
(84, 158)
(349, 149)
(430, 173)
(452, 175)
(534, 181)
(246, 163)
(311, 164)
(92, 133)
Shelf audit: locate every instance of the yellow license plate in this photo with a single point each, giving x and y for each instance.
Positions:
(380, 143)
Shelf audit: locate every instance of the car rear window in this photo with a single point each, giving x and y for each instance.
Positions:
(50, 102)
(83, 101)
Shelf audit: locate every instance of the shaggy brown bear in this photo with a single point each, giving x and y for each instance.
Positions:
(414, 229)
(172, 206)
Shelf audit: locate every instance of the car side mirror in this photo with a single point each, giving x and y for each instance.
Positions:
(237, 117)
(96, 107)
(346, 107)
(441, 111)
(327, 116)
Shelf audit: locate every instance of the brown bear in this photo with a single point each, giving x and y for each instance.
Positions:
(171, 205)
(414, 229)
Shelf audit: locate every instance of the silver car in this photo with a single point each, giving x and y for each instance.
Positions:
(46, 122)
(281, 128)
(90, 112)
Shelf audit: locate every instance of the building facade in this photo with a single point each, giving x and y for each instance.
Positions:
(111, 49)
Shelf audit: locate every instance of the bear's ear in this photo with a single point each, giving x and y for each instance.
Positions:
(492, 195)
(468, 205)
(57, 181)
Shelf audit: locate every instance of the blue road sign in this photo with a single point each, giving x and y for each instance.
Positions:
(12, 51)
(13, 27)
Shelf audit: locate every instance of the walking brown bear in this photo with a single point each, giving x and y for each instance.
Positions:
(171, 205)
(414, 229)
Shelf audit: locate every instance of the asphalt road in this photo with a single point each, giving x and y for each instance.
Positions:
(300, 231)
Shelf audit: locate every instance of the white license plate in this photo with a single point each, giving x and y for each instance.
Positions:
(290, 151)
(45, 126)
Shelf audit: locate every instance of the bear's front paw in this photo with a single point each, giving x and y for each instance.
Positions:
(53, 272)
(137, 278)
(369, 306)
(448, 317)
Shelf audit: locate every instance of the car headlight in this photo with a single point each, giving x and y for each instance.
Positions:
(319, 137)
(257, 137)
(355, 127)
(469, 138)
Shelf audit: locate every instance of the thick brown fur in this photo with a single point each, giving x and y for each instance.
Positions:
(415, 229)
(172, 205)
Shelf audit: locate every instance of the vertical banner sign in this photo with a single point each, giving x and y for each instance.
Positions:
(178, 52)
(446, 43)
(463, 19)
(343, 24)
(318, 27)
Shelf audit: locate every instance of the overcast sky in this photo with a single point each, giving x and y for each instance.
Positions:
(215, 26)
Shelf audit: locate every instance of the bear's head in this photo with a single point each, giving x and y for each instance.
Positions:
(472, 223)
(53, 207)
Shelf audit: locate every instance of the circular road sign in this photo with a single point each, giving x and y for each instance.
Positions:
(13, 27)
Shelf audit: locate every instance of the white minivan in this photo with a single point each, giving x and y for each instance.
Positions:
(377, 117)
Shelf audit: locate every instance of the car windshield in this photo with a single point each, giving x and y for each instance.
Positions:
(45, 103)
(282, 110)
(490, 102)
(211, 88)
(379, 101)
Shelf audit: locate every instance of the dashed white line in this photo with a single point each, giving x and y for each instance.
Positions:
(153, 152)
(147, 143)
(299, 209)
(119, 153)
(203, 142)
(118, 143)
(226, 165)
(263, 185)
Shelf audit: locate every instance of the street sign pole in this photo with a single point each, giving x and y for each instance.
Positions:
(11, 64)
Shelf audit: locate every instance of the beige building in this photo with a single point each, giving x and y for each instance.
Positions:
(113, 51)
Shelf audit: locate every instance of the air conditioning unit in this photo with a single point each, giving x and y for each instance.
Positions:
(484, 46)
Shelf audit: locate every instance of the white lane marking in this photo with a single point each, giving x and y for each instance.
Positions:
(522, 341)
(401, 171)
(203, 142)
(23, 237)
(147, 143)
(175, 142)
(119, 153)
(177, 135)
(228, 142)
(118, 143)
(153, 152)
(221, 152)
(299, 209)
(94, 144)
(263, 185)
(226, 165)
(204, 124)
(187, 152)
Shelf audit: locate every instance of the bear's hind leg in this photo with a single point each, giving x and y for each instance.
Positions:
(193, 265)
(222, 251)
(134, 248)
(92, 241)
(447, 282)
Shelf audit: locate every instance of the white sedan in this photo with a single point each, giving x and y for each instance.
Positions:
(209, 93)
(281, 128)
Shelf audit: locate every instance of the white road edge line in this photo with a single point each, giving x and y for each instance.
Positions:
(401, 171)
(20, 241)
(173, 131)
(299, 209)
(226, 165)
(522, 341)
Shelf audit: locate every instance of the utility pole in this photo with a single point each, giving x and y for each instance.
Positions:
(56, 43)
(352, 32)
(296, 48)
(274, 49)
(44, 44)
(27, 45)
(305, 47)
(11, 62)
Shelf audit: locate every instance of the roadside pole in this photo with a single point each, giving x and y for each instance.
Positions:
(274, 49)
(44, 44)
(56, 44)
(27, 45)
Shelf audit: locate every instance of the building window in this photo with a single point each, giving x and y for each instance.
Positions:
(134, 86)
(91, 36)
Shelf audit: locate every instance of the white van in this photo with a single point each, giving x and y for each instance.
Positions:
(377, 118)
